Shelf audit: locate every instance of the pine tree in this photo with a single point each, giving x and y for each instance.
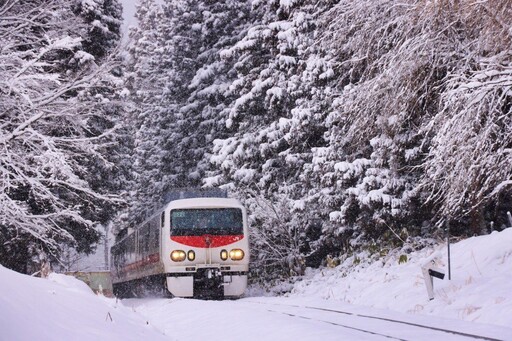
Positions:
(275, 120)
(144, 85)
(179, 87)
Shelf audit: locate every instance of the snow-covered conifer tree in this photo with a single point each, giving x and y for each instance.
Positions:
(145, 81)
(102, 30)
(179, 85)
(275, 119)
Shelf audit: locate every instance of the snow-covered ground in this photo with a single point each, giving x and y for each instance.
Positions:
(64, 308)
(343, 302)
(300, 319)
(480, 289)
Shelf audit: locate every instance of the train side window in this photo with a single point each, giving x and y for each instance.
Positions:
(162, 220)
(153, 236)
(146, 237)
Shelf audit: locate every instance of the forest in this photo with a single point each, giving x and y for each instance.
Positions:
(342, 125)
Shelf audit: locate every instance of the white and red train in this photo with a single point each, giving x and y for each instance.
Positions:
(196, 247)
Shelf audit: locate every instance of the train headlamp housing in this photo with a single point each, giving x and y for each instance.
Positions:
(236, 254)
(224, 255)
(178, 256)
(191, 255)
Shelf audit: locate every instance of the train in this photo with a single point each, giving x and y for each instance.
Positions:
(195, 246)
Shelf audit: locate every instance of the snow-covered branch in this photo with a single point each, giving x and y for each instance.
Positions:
(53, 124)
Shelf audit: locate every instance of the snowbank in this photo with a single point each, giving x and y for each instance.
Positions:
(480, 289)
(64, 308)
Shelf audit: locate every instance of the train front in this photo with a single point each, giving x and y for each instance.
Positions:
(206, 248)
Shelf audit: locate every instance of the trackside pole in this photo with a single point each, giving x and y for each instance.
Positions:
(448, 245)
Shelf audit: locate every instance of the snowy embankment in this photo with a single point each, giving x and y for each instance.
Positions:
(480, 289)
(64, 308)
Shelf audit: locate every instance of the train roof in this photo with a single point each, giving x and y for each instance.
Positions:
(204, 203)
(189, 193)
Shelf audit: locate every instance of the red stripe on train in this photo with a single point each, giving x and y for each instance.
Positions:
(207, 240)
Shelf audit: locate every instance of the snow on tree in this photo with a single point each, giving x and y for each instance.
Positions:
(399, 78)
(48, 135)
(179, 86)
(344, 123)
(144, 85)
(101, 31)
(274, 120)
(385, 79)
(469, 166)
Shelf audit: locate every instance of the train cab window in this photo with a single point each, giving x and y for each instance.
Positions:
(219, 221)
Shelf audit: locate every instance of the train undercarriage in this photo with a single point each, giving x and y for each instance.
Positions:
(205, 283)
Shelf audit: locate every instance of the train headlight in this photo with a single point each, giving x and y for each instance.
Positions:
(224, 255)
(191, 255)
(178, 255)
(236, 254)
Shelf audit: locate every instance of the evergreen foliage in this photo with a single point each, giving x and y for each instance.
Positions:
(179, 85)
(341, 124)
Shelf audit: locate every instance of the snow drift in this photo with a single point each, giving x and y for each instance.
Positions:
(64, 308)
(480, 289)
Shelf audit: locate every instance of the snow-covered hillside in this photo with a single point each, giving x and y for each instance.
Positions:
(480, 289)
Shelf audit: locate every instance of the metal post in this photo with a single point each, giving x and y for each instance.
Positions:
(448, 244)
(106, 247)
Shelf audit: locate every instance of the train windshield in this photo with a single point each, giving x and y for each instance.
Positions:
(198, 222)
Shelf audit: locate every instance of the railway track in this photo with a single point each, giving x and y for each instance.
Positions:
(371, 325)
